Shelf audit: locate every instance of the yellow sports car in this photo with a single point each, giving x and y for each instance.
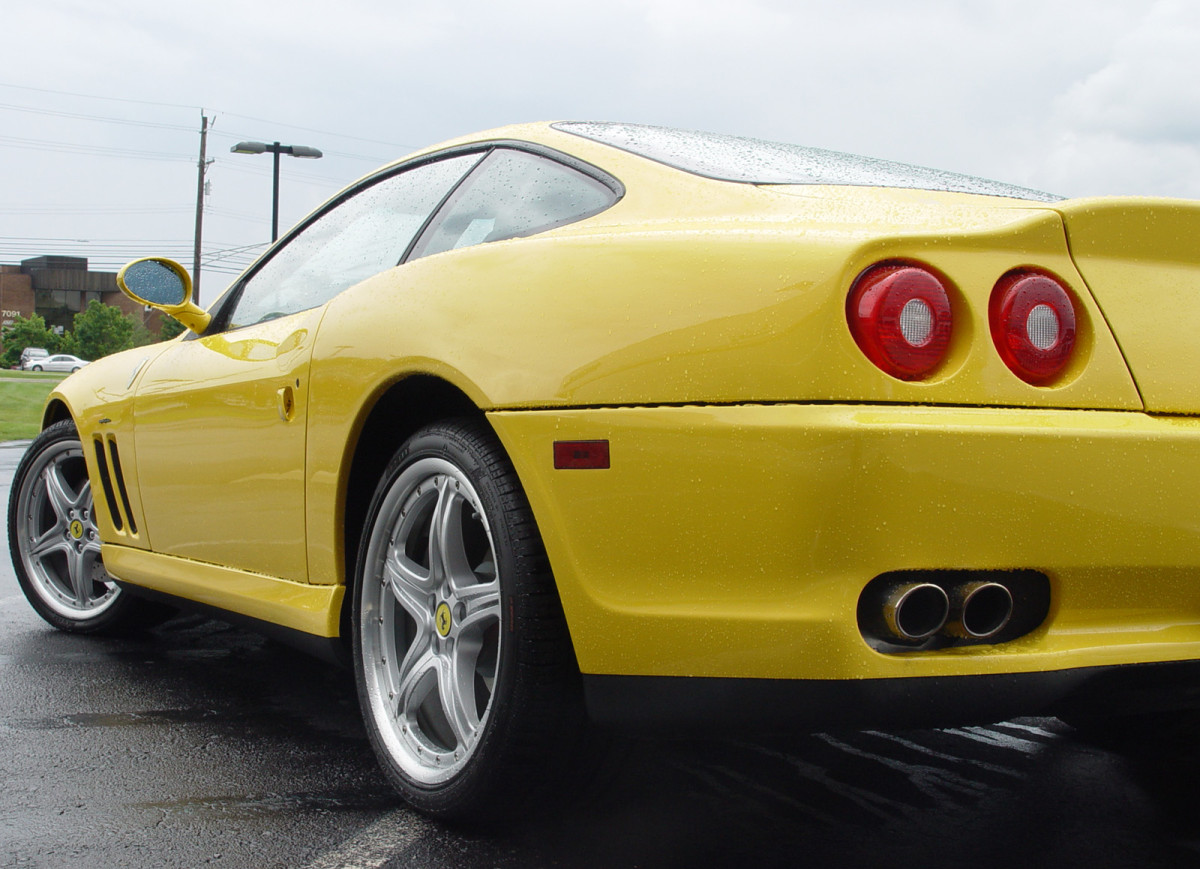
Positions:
(590, 421)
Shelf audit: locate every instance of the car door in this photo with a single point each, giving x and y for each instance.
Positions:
(220, 420)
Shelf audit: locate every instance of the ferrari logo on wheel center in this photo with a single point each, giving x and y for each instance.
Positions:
(77, 529)
(442, 619)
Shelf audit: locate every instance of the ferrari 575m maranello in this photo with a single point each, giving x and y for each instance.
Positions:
(588, 423)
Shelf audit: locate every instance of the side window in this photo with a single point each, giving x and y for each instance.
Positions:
(513, 194)
(354, 240)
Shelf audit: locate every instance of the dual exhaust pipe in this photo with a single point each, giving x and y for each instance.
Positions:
(910, 612)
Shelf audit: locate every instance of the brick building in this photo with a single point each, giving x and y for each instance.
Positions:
(58, 288)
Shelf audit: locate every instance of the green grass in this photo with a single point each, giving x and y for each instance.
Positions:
(22, 395)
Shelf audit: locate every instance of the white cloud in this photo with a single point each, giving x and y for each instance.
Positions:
(1106, 164)
(1132, 125)
(1074, 96)
(1147, 91)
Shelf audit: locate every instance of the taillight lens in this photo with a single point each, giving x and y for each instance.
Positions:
(899, 314)
(1032, 319)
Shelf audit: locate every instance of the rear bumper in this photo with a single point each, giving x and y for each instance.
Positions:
(734, 542)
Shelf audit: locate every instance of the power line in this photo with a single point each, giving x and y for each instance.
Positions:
(103, 261)
(345, 155)
(247, 167)
(330, 133)
(95, 96)
(114, 245)
(93, 209)
(98, 118)
(235, 215)
(94, 150)
(118, 251)
(82, 240)
(322, 132)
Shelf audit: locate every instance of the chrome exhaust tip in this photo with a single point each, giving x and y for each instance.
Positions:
(915, 611)
(981, 610)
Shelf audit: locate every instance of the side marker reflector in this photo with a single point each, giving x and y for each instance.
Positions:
(571, 455)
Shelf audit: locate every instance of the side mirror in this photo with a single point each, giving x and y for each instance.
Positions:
(163, 284)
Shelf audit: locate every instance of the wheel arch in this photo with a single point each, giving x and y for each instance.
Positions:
(405, 407)
(56, 411)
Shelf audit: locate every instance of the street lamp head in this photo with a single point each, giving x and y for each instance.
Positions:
(275, 148)
(249, 148)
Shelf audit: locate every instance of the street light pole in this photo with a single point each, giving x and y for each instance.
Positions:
(275, 193)
(275, 149)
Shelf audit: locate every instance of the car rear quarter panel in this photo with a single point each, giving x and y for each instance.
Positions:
(1142, 263)
(696, 311)
(735, 541)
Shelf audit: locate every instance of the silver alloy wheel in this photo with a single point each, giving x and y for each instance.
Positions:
(57, 536)
(430, 620)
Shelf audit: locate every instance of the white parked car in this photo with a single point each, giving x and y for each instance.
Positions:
(58, 362)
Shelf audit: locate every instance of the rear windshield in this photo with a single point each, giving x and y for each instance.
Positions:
(755, 161)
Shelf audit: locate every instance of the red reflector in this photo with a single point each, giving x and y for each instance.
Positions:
(570, 455)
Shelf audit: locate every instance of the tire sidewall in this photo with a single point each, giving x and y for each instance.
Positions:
(451, 443)
(112, 615)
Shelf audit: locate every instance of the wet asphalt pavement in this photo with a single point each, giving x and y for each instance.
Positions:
(201, 744)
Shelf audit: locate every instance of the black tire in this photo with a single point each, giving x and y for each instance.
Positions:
(37, 368)
(464, 667)
(55, 545)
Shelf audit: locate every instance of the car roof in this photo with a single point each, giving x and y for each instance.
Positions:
(738, 159)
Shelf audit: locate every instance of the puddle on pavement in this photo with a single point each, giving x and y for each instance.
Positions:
(257, 805)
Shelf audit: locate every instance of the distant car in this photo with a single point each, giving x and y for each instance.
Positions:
(571, 421)
(58, 362)
(30, 355)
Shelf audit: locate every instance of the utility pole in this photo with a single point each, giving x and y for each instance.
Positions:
(202, 168)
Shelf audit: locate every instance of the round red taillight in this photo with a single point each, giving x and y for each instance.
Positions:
(1032, 318)
(899, 315)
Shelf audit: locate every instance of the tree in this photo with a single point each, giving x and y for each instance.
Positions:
(101, 329)
(68, 344)
(170, 328)
(26, 332)
(141, 335)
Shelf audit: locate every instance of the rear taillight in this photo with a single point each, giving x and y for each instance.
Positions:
(899, 314)
(1032, 319)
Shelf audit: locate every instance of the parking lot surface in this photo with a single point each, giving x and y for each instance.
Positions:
(202, 744)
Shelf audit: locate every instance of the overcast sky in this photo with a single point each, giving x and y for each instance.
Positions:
(100, 104)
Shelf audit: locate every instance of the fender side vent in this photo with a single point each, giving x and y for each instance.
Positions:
(116, 464)
(106, 481)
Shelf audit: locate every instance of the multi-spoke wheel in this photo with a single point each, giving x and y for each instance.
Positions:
(54, 541)
(431, 632)
(457, 628)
